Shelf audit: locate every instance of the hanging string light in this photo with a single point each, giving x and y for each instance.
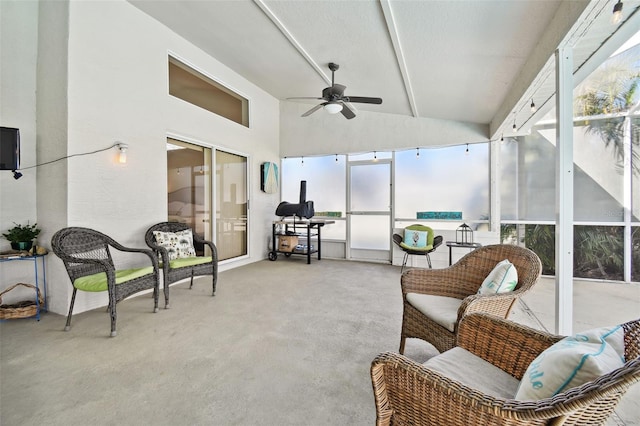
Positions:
(375, 157)
(417, 152)
(302, 161)
(533, 106)
(336, 158)
(466, 152)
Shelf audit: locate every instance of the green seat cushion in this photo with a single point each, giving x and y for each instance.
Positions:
(98, 282)
(189, 261)
(426, 248)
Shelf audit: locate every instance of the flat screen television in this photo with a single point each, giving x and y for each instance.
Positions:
(9, 148)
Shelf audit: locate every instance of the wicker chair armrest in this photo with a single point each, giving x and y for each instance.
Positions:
(148, 252)
(495, 304)
(449, 282)
(214, 250)
(507, 345)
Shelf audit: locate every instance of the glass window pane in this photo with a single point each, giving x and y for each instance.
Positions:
(231, 205)
(508, 177)
(326, 182)
(189, 187)
(635, 168)
(598, 165)
(194, 87)
(370, 189)
(635, 254)
(599, 252)
(443, 179)
(363, 238)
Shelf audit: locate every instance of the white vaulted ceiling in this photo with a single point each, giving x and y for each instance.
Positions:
(473, 61)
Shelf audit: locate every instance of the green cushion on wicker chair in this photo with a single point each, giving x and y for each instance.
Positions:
(98, 282)
(189, 261)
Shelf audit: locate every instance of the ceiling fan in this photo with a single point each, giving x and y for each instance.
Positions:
(335, 100)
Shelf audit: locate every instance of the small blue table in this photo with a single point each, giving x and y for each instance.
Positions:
(33, 258)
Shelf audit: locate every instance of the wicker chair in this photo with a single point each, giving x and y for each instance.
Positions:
(407, 393)
(462, 281)
(87, 257)
(172, 272)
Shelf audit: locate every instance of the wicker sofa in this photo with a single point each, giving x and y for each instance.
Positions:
(408, 393)
(453, 291)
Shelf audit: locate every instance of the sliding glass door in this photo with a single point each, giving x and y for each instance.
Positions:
(189, 187)
(231, 205)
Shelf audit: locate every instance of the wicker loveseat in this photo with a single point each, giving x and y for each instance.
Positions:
(408, 393)
(174, 270)
(452, 292)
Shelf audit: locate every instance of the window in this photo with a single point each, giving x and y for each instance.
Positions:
(449, 179)
(194, 87)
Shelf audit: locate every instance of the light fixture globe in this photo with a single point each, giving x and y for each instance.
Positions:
(333, 107)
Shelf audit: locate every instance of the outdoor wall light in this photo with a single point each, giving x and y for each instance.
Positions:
(122, 157)
(333, 107)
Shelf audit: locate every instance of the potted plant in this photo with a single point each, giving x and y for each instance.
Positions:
(21, 237)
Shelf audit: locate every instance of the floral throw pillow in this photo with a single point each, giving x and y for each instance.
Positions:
(178, 244)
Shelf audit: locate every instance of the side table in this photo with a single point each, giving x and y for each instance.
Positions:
(454, 244)
(34, 258)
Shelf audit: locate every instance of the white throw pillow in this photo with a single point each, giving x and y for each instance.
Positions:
(573, 361)
(501, 279)
(178, 244)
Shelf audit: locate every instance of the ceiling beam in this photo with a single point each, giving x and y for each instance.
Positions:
(397, 47)
(278, 23)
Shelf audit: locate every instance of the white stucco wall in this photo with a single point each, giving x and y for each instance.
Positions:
(322, 133)
(18, 58)
(117, 90)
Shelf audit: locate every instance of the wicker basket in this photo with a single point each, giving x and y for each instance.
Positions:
(24, 309)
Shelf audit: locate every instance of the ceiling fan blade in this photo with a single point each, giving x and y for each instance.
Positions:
(347, 111)
(363, 100)
(307, 97)
(312, 110)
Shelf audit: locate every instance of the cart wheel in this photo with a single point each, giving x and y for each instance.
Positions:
(273, 255)
(287, 255)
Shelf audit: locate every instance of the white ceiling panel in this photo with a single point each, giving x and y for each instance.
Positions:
(474, 61)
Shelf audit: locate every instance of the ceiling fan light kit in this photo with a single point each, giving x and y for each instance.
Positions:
(335, 101)
(333, 107)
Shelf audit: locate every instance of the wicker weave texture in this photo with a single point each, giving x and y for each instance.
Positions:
(86, 252)
(462, 281)
(407, 393)
(22, 309)
(172, 275)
